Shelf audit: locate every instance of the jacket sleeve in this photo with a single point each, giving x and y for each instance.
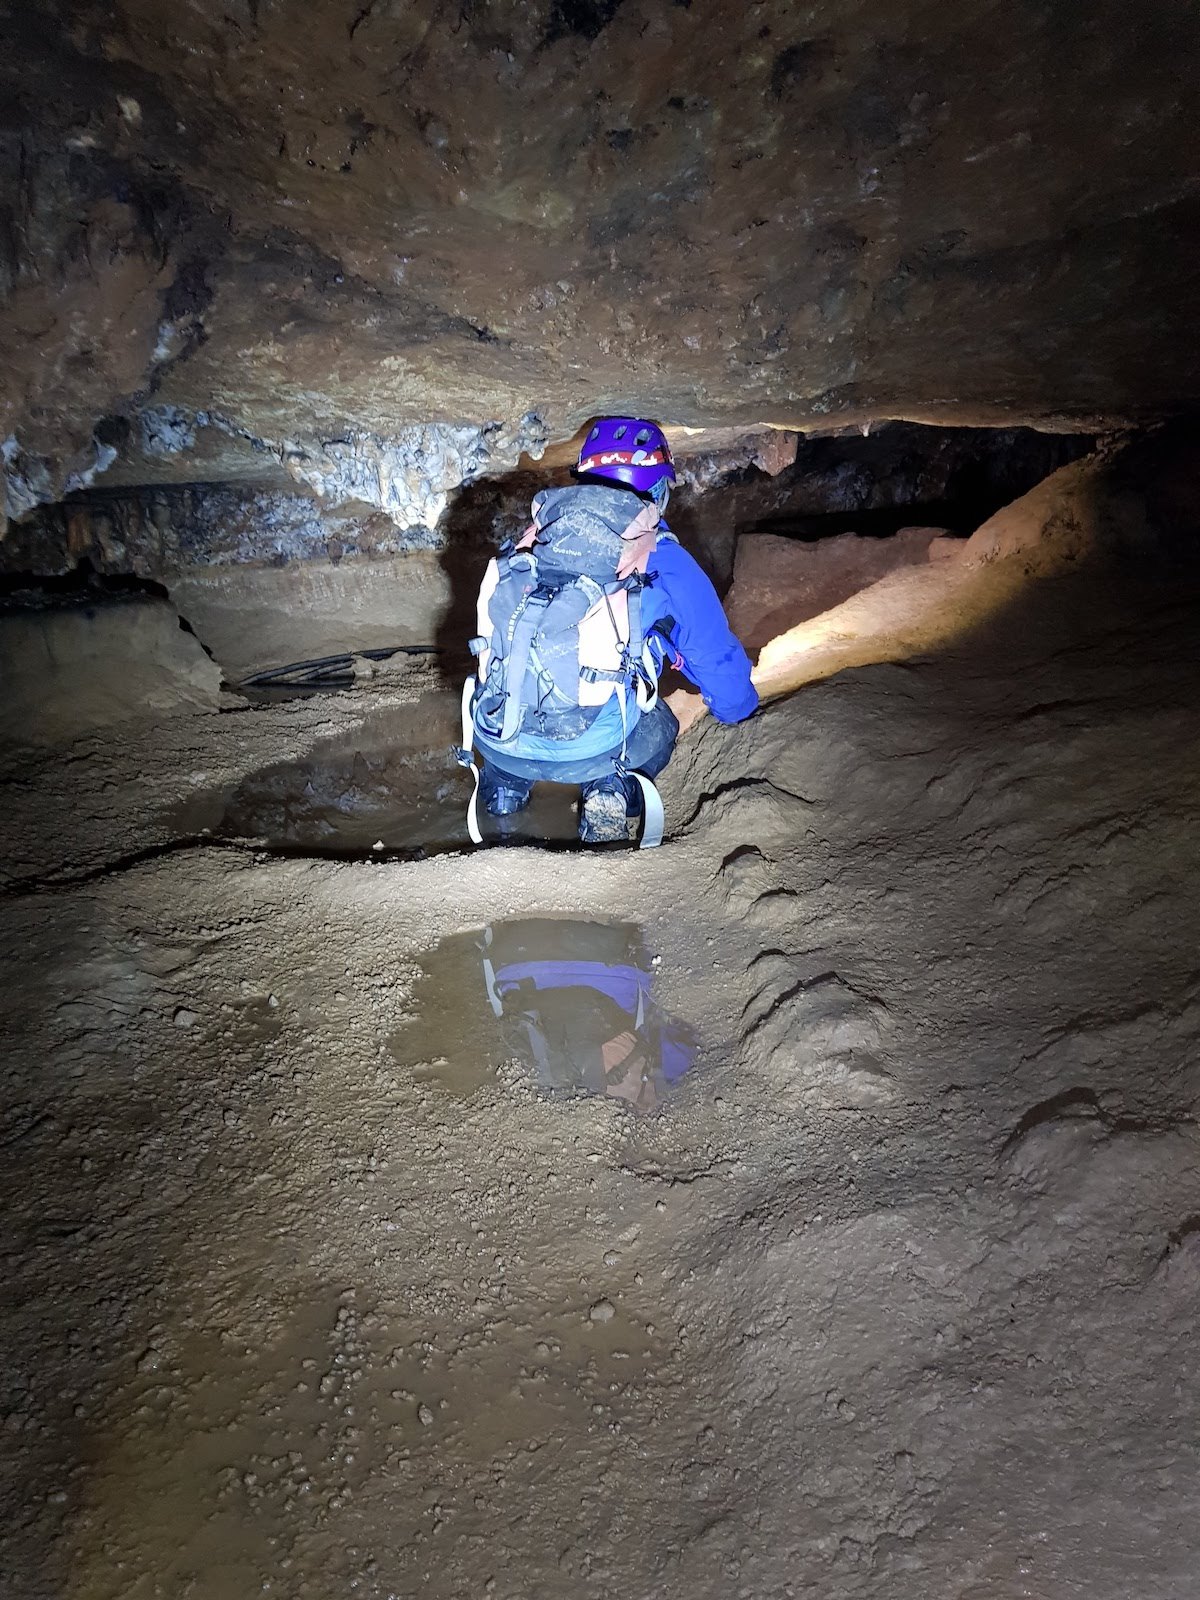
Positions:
(712, 658)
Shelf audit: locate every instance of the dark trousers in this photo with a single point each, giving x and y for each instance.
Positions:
(650, 748)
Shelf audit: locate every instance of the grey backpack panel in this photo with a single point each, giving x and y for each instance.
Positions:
(532, 683)
(580, 529)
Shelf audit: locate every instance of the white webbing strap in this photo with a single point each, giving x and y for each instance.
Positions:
(646, 681)
(466, 759)
(654, 817)
(489, 975)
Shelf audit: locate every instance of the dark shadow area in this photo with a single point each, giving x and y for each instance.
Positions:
(84, 588)
(31, 591)
(899, 475)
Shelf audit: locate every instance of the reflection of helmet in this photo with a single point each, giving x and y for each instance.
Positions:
(628, 450)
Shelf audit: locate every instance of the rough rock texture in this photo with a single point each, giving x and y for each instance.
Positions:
(902, 1286)
(778, 583)
(865, 481)
(162, 531)
(256, 617)
(410, 474)
(68, 669)
(770, 481)
(267, 574)
(1124, 505)
(331, 222)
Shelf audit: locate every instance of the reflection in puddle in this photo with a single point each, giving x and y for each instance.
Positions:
(573, 1001)
(394, 783)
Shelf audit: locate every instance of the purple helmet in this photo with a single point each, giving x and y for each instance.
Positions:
(628, 450)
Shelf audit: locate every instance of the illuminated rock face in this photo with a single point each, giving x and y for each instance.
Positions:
(311, 228)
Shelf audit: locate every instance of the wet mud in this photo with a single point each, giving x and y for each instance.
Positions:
(319, 1283)
(394, 788)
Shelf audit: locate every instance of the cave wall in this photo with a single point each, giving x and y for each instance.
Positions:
(69, 669)
(162, 531)
(866, 481)
(268, 574)
(390, 246)
(1125, 515)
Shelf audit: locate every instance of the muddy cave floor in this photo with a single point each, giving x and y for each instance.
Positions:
(895, 1296)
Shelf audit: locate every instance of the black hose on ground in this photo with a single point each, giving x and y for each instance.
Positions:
(329, 671)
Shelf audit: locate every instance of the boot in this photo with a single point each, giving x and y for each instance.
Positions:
(604, 810)
(504, 802)
(503, 796)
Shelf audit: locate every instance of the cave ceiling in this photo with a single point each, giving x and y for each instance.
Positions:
(288, 226)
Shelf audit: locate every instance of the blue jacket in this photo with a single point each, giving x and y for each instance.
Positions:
(710, 655)
(628, 986)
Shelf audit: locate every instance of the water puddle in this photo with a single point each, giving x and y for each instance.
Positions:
(392, 787)
(572, 1002)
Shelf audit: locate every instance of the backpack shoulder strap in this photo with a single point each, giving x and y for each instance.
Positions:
(479, 645)
(633, 599)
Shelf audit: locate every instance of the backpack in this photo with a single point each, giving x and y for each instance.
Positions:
(560, 635)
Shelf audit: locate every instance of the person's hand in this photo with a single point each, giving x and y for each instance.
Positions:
(688, 707)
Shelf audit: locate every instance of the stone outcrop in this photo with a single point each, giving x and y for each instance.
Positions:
(360, 498)
(778, 583)
(1129, 513)
(71, 668)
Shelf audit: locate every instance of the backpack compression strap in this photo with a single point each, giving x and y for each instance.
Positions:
(465, 756)
(641, 656)
(645, 691)
(489, 975)
(653, 815)
(525, 624)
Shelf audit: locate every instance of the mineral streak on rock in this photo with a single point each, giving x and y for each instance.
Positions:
(411, 474)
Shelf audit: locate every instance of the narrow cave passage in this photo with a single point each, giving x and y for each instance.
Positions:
(404, 1169)
(789, 528)
(354, 1234)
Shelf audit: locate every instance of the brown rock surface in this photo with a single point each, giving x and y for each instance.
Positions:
(326, 222)
(69, 669)
(257, 617)
(778, 583)
(1118, 508)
